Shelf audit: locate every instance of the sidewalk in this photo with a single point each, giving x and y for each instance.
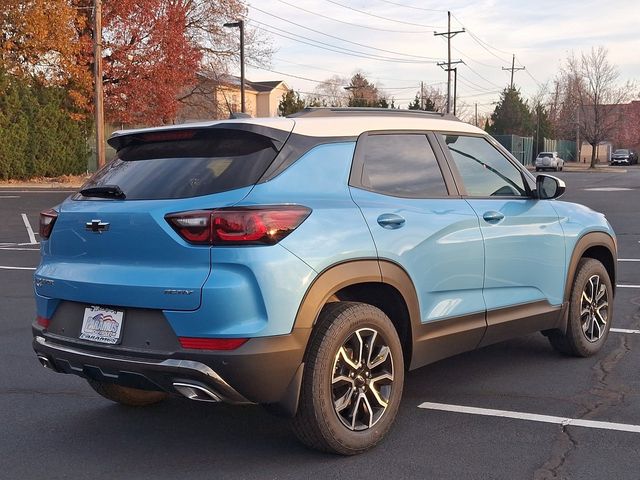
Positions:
(64, 182)
(584, 167)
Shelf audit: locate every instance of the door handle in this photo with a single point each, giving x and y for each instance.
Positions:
(492, 216)
(390, 221)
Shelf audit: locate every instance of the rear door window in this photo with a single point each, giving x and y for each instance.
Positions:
(187, 163)
(401, 165)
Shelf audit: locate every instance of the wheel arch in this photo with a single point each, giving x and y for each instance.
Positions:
(381, 283)
(597, 245)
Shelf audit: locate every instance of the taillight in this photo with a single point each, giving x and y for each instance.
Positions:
(47, 219)
(211, 343)
(43, 321)
(238, 225)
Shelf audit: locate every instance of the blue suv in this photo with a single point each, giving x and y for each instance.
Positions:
(305, 263)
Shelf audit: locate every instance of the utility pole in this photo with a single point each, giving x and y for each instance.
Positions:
(455, 89)
(97, 80)
(578, 143)
(513, 68)
(476, 114)
(447, 67)
(449, 34)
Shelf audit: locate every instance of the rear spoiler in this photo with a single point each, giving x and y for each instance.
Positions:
(124, 138)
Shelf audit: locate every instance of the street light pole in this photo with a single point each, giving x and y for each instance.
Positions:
(97, 71)
(240, 25)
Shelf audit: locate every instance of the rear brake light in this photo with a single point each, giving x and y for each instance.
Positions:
(211, 343)
(47, 219)
(238, 225)
(43, 321)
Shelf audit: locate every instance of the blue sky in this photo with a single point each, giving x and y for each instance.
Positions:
(540, 33)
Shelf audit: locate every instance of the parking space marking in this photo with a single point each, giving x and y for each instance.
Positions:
(9, 196)
(533, 417)
(4, 267)
(20, 249)
(629, 259)
(623, 330)
(627, 286)
(32, 237)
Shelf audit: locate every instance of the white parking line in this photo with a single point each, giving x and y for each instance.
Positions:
(22, 249)
(623, 330)
(32, 237)
(9, 196)
(4, 267)
(533, 417)
(627, 286)
(629, 259)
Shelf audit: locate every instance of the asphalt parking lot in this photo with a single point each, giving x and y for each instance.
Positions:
(54, 426)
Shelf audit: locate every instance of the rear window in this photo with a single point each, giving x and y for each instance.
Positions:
(545, 155)
(190, 163)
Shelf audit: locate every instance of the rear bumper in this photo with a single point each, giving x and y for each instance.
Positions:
(264, 370)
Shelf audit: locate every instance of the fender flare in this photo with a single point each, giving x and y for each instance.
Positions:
(587, 241)
(353, 272)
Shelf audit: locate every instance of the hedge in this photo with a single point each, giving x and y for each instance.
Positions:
(38, 133)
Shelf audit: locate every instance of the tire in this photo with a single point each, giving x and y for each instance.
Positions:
(131, 397)
(331, 377)
(586, 332)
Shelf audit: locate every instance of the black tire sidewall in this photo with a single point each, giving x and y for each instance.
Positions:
(354, 316)
(579, 343)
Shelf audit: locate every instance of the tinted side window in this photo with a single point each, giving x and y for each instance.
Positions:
(402, 166)
(484, 170)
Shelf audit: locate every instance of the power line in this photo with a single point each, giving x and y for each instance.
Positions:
(381, 17)
(342, 39)
(342, 74)
(370, 27)
(334, 48)
(412, 7)
(319, 81)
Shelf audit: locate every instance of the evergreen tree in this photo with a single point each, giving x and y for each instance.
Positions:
(290, 103)
(512, 115)
(429, 104)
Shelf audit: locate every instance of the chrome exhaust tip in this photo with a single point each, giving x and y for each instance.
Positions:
(196, 392)
(45, 362)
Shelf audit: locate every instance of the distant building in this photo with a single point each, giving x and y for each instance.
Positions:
(627, 135)
(215, 96)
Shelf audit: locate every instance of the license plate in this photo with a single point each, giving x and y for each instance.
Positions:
(102, 325)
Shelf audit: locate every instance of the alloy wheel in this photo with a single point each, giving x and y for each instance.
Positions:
(594, 309)
(362, 379)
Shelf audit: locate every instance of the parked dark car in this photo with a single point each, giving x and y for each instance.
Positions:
(624, 156)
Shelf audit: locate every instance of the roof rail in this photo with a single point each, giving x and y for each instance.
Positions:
(362, 111)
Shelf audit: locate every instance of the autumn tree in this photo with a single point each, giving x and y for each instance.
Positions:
(363, 93)
(599, 96)
(330, 93)
(42, 39)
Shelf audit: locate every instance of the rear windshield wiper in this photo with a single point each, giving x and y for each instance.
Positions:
(104, 191)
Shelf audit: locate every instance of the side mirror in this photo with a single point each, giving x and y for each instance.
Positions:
(548, 187)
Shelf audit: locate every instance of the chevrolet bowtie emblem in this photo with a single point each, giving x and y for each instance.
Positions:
(97, 226)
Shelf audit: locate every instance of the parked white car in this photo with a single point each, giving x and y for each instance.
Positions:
(548, 161)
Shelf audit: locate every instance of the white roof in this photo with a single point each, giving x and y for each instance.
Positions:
(354, 125)
(335, 125)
